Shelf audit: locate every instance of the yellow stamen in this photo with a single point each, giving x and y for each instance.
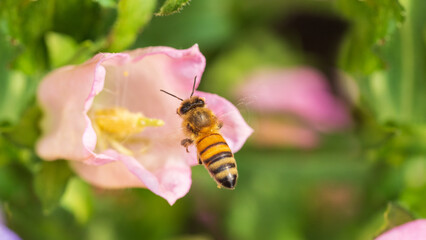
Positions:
(115, 126)
(122, 123)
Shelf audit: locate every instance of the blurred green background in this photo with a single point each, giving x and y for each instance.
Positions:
(340, 189)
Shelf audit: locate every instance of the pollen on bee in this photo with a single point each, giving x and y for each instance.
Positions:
(116, 125)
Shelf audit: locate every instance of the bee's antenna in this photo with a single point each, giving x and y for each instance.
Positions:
(171, 94)
(193, 86)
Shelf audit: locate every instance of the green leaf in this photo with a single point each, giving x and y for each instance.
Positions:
(50, 183)
(8, 152)
(16, 92)
(414, 199)
(372, 23)
(16, 89)
(64, 50)
(78, 199)
(25, 22)
(133, 15)
(414, 172)
(61, 48)
(414, 194)
(171, 7)
(394, 216)
(398, 93)
(82, 19)
(26, 131)
(7, 49)
(107, 3)
(212, 20)
(5, 59)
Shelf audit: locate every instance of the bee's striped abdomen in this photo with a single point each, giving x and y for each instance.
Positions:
(217, 157)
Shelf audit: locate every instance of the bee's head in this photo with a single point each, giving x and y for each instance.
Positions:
(191, 103)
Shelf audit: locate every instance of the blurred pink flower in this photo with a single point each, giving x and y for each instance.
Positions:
(300, 92)
(414, 230)
(106, 115)
(275, 133)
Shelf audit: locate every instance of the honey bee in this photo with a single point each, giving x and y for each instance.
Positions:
(201, 126)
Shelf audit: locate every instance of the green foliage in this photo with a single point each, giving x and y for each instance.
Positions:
(133, 15)
(171, 7)
(80, 19)
(8, 51)
(50, 183)
(78, 199)
(372, 24)
(397, 94)
(23, 211)
(64, 50)
(414, 194)
(107, 3)
(25, 22)
(61, 48)
(395, 216)
(16, 88)
(26, 131)
(15, 94)
(414, 199)
(213, 21)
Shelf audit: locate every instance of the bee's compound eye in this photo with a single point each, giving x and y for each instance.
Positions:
(184, 109)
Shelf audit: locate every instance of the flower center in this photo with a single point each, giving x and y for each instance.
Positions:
(117, 126)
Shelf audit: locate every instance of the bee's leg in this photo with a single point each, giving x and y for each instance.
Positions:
(186, 143)
(199, 160)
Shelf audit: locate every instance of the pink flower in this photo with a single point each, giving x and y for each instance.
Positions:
(110, 119)
(414, 230)
(272, 132)
(300, 92)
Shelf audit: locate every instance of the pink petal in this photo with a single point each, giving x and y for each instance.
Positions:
(62, 96)
(301, 91)
(170, 182)
(235, 130)
(414, 230)
(184, 65)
